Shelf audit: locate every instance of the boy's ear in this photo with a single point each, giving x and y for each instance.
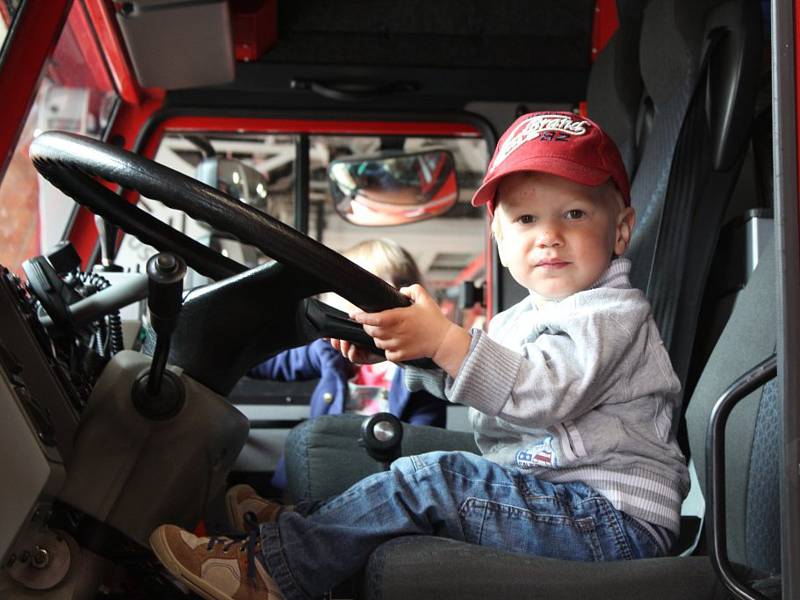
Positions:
(625, 222)
(497, 234)
(500, 252)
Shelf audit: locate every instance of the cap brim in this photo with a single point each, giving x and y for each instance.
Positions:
(540, 164)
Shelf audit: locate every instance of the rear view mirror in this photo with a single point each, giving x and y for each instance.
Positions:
(393, 190)
(235, 179)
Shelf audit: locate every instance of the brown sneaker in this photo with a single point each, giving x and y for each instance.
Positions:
(242, 499)
(215, 568)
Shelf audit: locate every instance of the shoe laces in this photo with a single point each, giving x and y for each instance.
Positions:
(250, 543)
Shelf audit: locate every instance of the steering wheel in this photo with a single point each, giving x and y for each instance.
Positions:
(232, 325)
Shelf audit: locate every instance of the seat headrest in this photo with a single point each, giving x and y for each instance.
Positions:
(671, 45)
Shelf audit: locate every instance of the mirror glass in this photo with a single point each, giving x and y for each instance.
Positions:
(393, 189)
(236, 179)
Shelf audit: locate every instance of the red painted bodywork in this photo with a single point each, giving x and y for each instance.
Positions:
(105, 27)
(31, 41)
(605, 24)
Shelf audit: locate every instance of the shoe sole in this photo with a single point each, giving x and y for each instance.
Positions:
(162, 550)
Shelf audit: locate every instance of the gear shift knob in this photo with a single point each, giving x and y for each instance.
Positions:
(165, 273)
(107, 236)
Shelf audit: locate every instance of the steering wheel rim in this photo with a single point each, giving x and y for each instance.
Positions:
(73, 164)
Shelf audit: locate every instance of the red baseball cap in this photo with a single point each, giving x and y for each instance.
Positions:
(559, 143)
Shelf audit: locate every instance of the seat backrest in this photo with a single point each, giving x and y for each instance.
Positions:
(699, 65)
(753, 429)
(705, 168)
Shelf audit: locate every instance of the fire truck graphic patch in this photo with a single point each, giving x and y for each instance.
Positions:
(538, 455)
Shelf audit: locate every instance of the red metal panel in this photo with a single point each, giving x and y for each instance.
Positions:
(317, 126)
(31, 42)
(605, 24)
(78, 60)
(101, 16)
(5, 14)
(255, 27)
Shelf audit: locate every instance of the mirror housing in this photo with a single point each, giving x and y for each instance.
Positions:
(236, 179)
(393, 189)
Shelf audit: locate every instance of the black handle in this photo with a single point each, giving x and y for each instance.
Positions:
(381, 437)
(165, 273)
(107, 237)
(331, 322)
(715, 472)
(353, 91)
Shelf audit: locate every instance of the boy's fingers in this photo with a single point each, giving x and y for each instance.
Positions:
(386, 318)
(414, 292)
(373, 331)
(368, 318)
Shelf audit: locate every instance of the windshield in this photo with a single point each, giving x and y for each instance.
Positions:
(262, 170)
(8, 12)
(75, 94)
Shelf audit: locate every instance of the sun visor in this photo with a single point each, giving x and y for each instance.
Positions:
(175, 45)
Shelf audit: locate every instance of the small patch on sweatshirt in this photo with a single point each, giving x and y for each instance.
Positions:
(541, 454)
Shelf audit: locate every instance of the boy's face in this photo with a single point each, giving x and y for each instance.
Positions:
(558, 236)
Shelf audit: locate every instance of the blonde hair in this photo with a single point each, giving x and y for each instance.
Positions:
(386, 259)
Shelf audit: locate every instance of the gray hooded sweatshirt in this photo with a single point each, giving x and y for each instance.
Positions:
(578, 390)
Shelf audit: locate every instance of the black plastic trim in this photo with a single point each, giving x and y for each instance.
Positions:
(784, 156)
(715, 473)
(302, 172)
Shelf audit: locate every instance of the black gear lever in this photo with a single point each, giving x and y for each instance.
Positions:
(159, 394)
(165, 273)
(107, 236)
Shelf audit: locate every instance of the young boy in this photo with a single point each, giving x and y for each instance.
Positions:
(572, 393)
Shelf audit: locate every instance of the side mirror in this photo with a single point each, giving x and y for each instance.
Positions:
(393, 190)
(235, 179)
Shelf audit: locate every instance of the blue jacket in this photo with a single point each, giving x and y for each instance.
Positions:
(320, 359)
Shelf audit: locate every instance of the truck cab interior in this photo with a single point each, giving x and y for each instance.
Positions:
(180, 180)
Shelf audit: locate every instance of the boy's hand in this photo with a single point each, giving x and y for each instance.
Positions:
(417, 331)
(356, 354)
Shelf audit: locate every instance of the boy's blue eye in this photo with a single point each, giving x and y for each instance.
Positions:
(575, 213)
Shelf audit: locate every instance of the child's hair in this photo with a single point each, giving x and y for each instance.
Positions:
(609, 187)
(386, 259)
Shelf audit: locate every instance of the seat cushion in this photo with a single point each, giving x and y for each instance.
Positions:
(423, 567)
(323, 457)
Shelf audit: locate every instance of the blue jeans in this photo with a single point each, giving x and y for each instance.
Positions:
(456, 495)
